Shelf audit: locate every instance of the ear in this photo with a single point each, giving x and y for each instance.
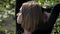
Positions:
(45, 17)
(19, 18)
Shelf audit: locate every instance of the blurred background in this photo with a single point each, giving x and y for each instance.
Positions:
(7, 16)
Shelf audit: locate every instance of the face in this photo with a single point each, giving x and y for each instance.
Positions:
(19, 18)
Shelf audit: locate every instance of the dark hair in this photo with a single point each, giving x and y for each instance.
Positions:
(31, 14)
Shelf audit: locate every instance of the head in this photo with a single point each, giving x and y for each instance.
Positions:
(30, 15)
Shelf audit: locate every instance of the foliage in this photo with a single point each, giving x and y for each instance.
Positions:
(45, 3)
(7, 13)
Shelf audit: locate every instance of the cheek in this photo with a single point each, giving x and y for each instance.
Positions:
(19, 19)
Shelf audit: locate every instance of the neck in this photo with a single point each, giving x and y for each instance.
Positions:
(26, 32)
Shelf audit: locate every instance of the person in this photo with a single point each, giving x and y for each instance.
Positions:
(31, 17)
